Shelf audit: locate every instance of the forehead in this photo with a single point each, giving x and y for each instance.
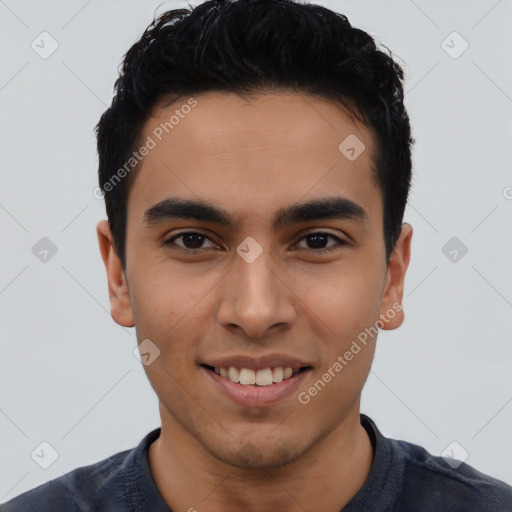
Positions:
(254, 153)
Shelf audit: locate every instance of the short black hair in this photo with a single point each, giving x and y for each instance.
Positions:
(250, 47)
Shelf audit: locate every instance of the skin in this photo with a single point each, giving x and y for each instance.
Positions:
(252, 157)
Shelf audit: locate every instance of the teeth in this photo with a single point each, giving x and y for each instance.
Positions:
(264, 377)
(233, 374)
(248, 376)
(277, 374)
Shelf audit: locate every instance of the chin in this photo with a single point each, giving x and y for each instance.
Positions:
(257, 454)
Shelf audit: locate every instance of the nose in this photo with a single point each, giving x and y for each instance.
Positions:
(256, 298)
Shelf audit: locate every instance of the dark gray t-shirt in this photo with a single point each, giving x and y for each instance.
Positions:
(404, 477)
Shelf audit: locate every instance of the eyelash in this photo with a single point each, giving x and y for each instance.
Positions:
(341, 242)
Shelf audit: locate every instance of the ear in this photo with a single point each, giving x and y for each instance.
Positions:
(120, 303)
(394, 287)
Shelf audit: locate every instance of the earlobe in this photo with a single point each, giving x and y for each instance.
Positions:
(392, 314)
(119, 294)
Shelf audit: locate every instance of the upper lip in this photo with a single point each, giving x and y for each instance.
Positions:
(256, 363)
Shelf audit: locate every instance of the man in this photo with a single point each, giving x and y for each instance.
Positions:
(256, 164)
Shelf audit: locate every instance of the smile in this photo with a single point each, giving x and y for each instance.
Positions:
(252, 387)
(251, 377)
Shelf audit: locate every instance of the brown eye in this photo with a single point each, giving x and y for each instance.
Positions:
(192, 241)
(317, 241)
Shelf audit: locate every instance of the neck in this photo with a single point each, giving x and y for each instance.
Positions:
(325, 478)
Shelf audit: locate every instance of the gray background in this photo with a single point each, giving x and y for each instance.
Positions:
(68, 375)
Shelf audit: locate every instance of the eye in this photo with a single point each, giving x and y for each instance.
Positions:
(318, 239)
(192, 241)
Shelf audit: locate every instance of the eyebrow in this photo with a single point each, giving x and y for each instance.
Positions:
(317, 209)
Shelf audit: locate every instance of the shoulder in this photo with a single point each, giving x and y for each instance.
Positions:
(443, 487)
(74, 491)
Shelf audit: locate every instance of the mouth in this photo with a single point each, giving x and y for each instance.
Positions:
(256, 377)
(261, 386)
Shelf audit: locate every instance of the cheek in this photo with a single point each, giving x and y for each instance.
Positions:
(160, 297)
(170, 311)
(346, 302)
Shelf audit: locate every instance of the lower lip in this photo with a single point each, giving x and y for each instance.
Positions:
(257, 396)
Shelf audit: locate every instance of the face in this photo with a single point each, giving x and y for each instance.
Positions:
(253, 282)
